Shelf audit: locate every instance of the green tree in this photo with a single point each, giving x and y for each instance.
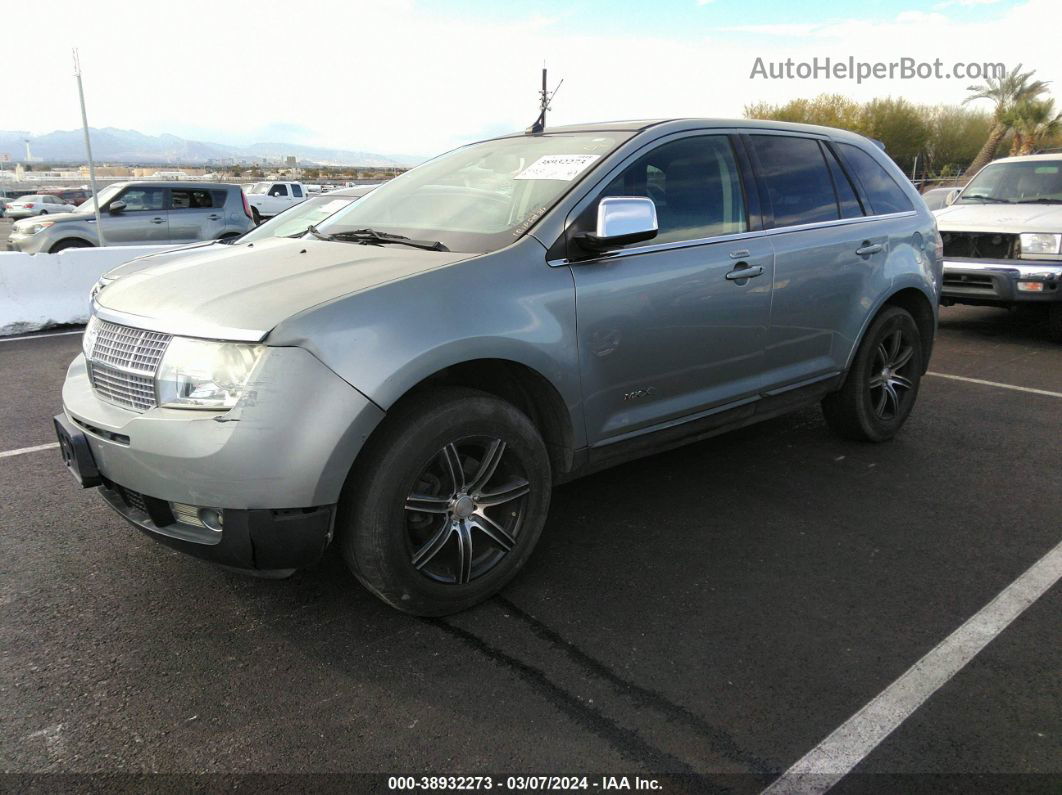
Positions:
(1034, 122)
(955, 136)
(1004, 92)
(898, 124)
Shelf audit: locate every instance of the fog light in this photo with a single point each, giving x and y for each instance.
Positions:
(211, 518)
(1031, 287)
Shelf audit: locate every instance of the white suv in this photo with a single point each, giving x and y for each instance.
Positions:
(1003, 237)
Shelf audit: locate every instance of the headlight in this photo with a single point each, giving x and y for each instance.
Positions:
(1040, 243)
(37, 227)
(92, 330)
(201, 374)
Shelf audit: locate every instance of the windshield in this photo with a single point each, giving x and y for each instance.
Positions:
(1029, 181)
(258, 187)
(290, 222)
(106, 195)
(481, 197)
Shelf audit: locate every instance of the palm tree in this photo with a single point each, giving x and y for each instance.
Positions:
(1033, 121)
(1005, 92)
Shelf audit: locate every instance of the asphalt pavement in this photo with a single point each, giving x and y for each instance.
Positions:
(708, 614)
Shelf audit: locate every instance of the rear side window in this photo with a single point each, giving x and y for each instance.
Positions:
(847, 200)
(190, 199)
(296, 191)
(797, 180)
(695, 185)
(884, 194)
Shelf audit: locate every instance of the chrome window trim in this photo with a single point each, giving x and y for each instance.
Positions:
(778, 230)
(179, 327)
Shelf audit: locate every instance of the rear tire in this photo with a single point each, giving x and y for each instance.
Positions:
(478, 469)
(62, 245)
(882, 383)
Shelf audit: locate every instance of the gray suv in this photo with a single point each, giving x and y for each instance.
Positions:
(409, 378)
(140, 213)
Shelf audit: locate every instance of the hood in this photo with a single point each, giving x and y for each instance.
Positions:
(55, 218)
(158, 258)
(243, 291)
(1011, 218)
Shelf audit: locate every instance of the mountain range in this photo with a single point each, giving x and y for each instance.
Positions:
(112, 145)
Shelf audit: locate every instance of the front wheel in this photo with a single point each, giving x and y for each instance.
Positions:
(256, 216)
(446, 503)
(882, 384)
(1054, 322)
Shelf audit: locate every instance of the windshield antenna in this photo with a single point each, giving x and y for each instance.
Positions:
(545, 99)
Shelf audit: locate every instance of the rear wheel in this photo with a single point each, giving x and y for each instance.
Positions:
(882, 384)
(62, 245)
(446, 503)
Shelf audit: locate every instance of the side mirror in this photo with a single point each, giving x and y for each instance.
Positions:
(951, 197)
(115, 207)
(622, 220)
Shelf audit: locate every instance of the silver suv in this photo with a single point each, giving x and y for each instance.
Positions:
(140, 213)
(410, 377)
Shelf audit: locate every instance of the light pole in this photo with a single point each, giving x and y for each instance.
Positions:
(88, 151)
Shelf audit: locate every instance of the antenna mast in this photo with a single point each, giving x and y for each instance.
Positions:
(545, 98)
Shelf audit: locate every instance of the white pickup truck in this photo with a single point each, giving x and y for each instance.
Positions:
(270, 198)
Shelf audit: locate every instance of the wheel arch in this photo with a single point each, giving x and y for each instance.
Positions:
(519, 384)
(915, 300)
(68, 237)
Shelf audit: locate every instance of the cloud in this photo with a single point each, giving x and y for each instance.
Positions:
(409, 81)
(965, 3)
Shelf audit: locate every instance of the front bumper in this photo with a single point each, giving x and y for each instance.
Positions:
(273, 466)
(978, 281)
(20, 242)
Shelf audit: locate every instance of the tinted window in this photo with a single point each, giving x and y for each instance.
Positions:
(846, 195)
(278, 190)
(296, 191)
(184, 199)
(798, 182)
(884, 194)
(142, 199)
(695, 185)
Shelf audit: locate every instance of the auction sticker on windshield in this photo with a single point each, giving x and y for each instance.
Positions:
(562, 167)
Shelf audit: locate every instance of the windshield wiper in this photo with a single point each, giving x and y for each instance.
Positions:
(986, 198)
(1039, 200)
(374, 237)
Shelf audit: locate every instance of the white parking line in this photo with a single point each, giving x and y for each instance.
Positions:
(41, 336)
(833, 758)
(23, 450)
(996, 384)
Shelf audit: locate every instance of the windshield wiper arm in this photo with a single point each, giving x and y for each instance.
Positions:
(986, 198)
(374, 236)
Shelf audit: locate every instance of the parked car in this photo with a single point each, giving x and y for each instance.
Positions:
(409, 378)
(72, 196)
(935, 198)
(272, 198)
(290, 222)
(141, 213)
(36, 204)
(1003, 238)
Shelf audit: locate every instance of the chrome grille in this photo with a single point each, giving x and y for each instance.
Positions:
(126, 348)
(125, 389)
(123, 363)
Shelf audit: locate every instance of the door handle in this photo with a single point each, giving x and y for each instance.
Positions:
(869, 248)
(156, 220)
(214, 217)
(744, 271)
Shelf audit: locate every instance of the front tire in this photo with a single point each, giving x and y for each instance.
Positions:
(256, 216)
(882, 384)
(446, 503)
(1054, 322)
(63, 245)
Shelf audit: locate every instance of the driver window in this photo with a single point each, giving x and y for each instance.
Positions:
(278, 190)
(142, 199)
(695, 185)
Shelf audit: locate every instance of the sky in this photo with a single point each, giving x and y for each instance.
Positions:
(419, 77)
